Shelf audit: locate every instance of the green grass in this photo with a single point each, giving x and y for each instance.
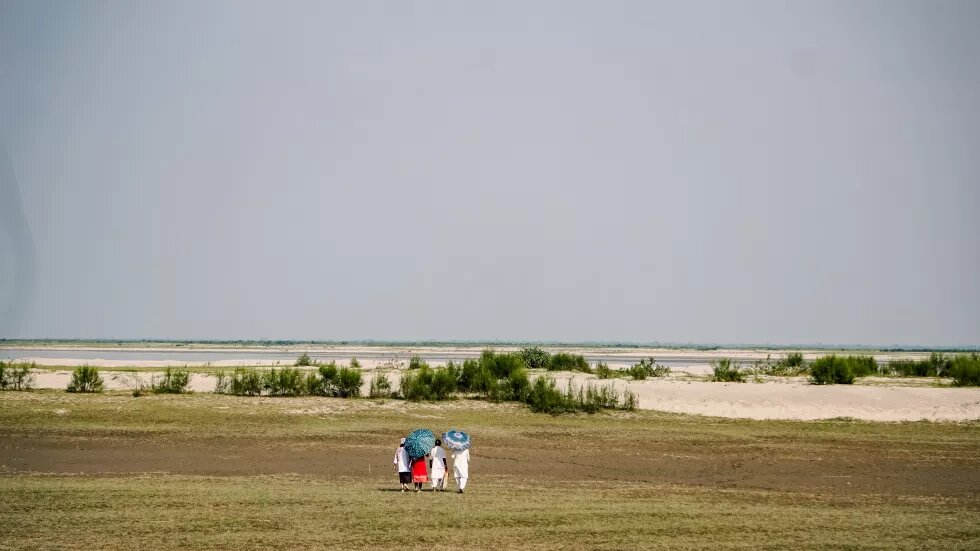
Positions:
(675, 495)
(290, 512)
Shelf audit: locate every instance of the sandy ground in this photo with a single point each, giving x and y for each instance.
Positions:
(773, 398)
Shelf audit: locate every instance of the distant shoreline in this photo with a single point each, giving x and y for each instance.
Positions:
(314, 344)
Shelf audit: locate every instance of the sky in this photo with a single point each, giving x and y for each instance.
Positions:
(697, 171)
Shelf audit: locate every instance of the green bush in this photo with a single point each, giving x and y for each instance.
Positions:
(245, 382)
(861, 366)
(304, 360)
(380, 386)
(603, 371)
(544, 397)
(647, 368)
(965, 369)
(16, 376)
(563, 361)
(328, 380)
(174, 381)
(417, 363)
(354, 364)
(937, 365)
(727, 371)
(425, 383)
(790, 365)
(793, 359)
(476, 377)
(287, 381)
(830, 370)
(535, 358)
(500, 365)
(348, 384)
(85, 379)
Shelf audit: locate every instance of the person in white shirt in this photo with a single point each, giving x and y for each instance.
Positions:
(461, 468)
(402, 465)
(438, 467)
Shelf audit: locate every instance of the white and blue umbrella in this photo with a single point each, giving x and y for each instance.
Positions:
(456, 440)
(419, 443)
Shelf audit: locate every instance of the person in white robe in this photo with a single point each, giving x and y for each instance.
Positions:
(437, 467)
(461, 468)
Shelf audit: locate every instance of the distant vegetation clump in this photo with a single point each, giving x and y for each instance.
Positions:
(173, 381)
(504, 377)
(16, 376)
(965, 369)
(647, 367)
(303, 361)
(535, 358)
(603, 371)
(563, 361)
(545, 397)
(834, 370)
(380, 386)
(85, 379)
(936, 365)
(416, 362)
(326, 380)
(726, 370)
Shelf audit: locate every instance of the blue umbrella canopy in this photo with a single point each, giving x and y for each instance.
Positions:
(456, 439)
(420, 443)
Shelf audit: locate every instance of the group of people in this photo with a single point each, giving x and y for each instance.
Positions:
(431, 468)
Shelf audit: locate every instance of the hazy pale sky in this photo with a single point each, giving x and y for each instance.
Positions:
(763, 172)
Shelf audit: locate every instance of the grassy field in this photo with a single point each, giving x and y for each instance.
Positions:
(218, 472)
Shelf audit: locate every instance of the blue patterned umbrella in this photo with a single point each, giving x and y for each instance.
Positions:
(420, 443)
(456, 439)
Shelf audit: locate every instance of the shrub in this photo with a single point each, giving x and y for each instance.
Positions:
(417, 363)
(861, 366)
(348, 382)
(354, 364)
(830, 370)
(788, 366)
(287, 381)
(500, 365)
(535, 358)
(222, 383)
(476, 376)
(85, 379)
(174, 381)
(965, 369)
(514, 388)
(647, 368)
(380, 386)
(246, 382)
(728, 371)
(544, 397)
(564, 361)
(16, 376)
(603, 371)
(793, 360)
(304, 360)
(937, 365)
(425, 383)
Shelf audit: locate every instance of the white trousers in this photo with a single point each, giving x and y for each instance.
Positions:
(461, 475)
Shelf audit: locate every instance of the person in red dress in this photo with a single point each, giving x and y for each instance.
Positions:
(420, 475)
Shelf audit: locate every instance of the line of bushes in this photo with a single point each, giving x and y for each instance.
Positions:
(936, 365)
(16, 375)
(326, 380)
(501, 378)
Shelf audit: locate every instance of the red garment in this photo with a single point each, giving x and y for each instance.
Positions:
(419, 471)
